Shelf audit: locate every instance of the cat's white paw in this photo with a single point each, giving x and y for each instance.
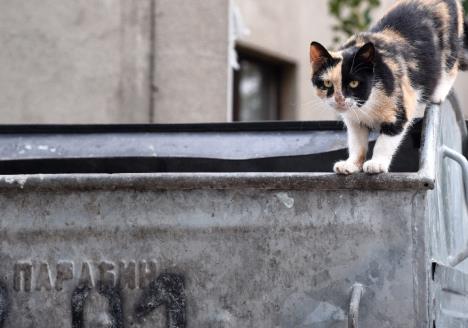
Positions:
(376, 166)
(346, 167)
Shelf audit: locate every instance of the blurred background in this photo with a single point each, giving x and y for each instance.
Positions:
(170, 61)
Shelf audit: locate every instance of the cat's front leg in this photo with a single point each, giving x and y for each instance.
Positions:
(357, 145)
(384, 150)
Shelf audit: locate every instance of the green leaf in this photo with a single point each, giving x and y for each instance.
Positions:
(465, 6)
(353, 16)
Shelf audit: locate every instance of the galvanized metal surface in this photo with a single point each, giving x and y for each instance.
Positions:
(234, 249)
(447, 215)
(451, 301)
(166, 144)
(274, 147)
(447, 210)
(245, 258)
(279, 147)
(460, 255)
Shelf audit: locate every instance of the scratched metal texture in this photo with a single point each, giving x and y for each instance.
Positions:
(447, 210)
(247, 258)
(451, 297)
(447, 215)
(233, 249)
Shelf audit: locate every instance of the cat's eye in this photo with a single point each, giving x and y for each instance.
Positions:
(327, 84)
(354, 84)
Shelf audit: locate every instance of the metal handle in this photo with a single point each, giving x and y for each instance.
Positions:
(460, 159)
(353, 314)
(460, 117)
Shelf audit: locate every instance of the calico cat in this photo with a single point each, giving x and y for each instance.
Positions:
(377, 79)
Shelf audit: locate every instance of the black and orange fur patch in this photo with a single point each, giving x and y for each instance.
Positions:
(418, 44)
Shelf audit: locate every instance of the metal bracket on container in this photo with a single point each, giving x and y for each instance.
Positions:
(463, 162)
(459, 258)
(353, 314)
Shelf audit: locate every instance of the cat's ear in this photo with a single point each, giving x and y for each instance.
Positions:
(319, 56)
(366, 54)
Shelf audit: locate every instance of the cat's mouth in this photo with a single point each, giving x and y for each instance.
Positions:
(340, 107)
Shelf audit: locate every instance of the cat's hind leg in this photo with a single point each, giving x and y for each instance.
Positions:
(446, 83)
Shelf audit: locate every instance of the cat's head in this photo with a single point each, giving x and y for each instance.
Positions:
(344, 79)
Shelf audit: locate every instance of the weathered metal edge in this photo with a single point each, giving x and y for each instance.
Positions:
(184, 181)
(429, 147)
(422, 180)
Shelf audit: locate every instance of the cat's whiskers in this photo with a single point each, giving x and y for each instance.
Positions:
(315, 100)
(367, 115)
(316, 106)
(355, 114)
(313, 103)
(362, 113)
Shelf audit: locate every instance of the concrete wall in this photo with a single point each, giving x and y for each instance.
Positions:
(87, 61)
(80, 61)
(191, 81)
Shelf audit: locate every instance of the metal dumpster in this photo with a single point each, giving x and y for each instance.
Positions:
(238, 225)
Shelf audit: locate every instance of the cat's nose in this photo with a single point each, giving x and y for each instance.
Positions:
(340, 99)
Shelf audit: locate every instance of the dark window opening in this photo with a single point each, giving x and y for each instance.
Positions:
(262, 87)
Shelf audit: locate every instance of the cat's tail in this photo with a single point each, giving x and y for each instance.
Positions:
(464, 52)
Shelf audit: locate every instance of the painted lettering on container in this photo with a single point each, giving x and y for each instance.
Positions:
(42, 276)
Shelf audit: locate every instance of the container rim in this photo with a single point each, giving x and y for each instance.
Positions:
(189, 181)
(424, 179)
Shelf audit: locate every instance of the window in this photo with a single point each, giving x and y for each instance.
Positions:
(260, 87)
